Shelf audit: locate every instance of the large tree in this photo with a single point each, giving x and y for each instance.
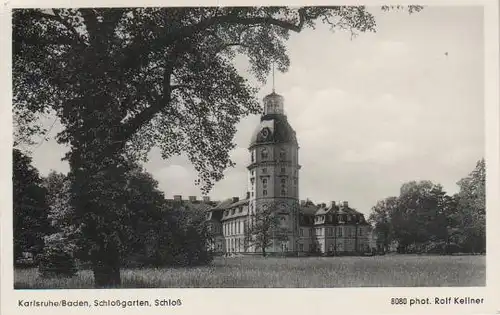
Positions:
(471, 209)
(381, 219)
(133, 78)
(30, 210)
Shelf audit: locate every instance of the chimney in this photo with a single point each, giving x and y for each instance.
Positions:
(332, 204)
(236, 199)
(178, 197)
(192, 198)
(248, 195)
(345, 204)
(206, 198)
(302, 202)
(323, 205)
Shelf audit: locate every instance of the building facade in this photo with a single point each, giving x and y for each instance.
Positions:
(273, 181)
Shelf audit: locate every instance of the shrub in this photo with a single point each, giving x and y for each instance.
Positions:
(56, 263)
(57, 259)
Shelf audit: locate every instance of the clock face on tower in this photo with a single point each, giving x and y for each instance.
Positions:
(265, 133)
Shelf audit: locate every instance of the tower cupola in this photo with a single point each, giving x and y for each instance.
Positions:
(273, 104)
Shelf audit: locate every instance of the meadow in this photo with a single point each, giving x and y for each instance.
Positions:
(306, 272)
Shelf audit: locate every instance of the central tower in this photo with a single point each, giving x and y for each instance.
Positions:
(273, 172)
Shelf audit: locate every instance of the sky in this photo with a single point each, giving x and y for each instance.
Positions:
(371, 113)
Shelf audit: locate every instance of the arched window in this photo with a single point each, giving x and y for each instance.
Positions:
(253, 156)
(264, 154)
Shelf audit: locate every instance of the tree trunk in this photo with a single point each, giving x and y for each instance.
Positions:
(106, 267)
(95, 200)
(106, 276)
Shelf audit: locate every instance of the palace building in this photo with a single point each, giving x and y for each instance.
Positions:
(273, 181)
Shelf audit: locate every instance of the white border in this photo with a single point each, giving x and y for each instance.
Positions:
(251, 301)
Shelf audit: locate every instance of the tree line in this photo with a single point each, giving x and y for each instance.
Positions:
(424, 218)
(149, 230)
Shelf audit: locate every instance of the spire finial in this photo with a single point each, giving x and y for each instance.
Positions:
(273, 76)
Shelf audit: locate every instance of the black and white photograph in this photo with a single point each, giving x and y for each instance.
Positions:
(338, 146)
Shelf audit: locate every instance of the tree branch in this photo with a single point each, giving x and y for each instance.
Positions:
(56, 18)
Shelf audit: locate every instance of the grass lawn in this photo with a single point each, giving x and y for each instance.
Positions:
(306, 272)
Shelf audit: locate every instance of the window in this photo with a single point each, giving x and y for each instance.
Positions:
(283, 170)
(264, 192)
(282, 154)
(252, 194)
(252, 180)
(301, 232)
(340, 231)
(360, 232)
(283, 181)
(241, 209)
(295, 181)
(264, 170)
(253, 156)
(301, 247)
(264, 154)
(232, 211)
(252, 172)
(283, 192)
